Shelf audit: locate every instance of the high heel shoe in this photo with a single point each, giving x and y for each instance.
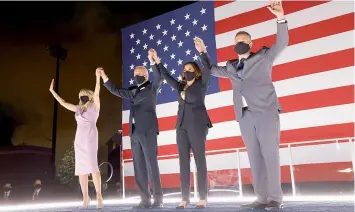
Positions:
(85, 206)
(100, 204)
(201, 204)
(183, 204)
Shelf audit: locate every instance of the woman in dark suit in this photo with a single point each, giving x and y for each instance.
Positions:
(191, 126)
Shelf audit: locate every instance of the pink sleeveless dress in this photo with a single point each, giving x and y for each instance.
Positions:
(86, 141)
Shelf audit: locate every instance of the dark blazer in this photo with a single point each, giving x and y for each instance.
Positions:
(192, 111)
(143, 103)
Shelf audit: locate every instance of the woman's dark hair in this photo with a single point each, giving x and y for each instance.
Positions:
(196, 67)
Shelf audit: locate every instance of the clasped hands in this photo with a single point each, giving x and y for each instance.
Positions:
(199, 45)
(153, 56)
(100, 73)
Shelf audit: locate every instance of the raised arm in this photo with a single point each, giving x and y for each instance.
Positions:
(157, 78)
(282, 36)
(61, 101)
(97, 89)
(208, 66)
(206, 74)
(164, 72)
(120, 92)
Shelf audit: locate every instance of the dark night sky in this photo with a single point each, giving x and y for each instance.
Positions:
(91, 33)
(45, 15)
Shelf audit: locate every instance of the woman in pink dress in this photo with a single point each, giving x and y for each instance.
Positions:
(86, 138)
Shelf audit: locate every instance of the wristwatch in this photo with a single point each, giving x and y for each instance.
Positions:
(205, 51)
(281, 21)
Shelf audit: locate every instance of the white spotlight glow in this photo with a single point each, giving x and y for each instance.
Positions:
(348, 170)
(135, 200)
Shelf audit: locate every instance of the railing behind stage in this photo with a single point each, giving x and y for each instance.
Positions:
(104, 181)
(345, 147)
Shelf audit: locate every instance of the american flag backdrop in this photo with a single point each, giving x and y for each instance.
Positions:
(313, 77)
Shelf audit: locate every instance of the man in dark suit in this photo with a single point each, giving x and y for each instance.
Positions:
(37, 187)
(144, 129)
(257, 108)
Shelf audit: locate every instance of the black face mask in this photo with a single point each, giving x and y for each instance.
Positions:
(84, 99)
(189, 75)
(139, 79)
(241, 48)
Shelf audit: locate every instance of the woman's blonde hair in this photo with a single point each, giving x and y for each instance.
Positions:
(90, 94)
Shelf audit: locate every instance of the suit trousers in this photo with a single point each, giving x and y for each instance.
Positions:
(145, 162)
(191, 138)
(261, 136)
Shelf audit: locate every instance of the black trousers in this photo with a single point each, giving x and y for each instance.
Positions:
(145, 162)
(191, 138)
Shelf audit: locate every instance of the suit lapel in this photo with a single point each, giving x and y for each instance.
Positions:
(234, 65)
(141, 88)
(247, 64)
(232, 68)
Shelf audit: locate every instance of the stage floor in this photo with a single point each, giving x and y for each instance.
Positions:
(347, 206)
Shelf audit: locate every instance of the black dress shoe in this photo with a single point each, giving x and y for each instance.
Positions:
(142, 205)
(273, 205)
(158, 204)
(255, 205)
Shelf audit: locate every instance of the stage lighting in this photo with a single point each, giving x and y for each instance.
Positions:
(60, 53)
(57, 51)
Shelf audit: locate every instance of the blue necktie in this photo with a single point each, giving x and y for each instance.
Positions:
(240, 68)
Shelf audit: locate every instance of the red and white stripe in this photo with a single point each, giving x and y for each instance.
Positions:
(313, 77)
